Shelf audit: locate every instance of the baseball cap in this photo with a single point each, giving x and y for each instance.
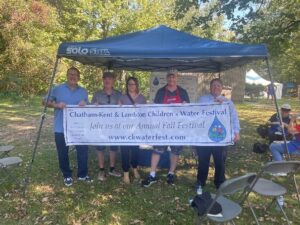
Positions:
(286, 107)
(172, 72)
(108, 74)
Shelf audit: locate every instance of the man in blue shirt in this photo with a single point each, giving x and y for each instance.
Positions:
(218, 152)
(68, 93)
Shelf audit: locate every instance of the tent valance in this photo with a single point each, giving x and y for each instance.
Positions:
(159, 49)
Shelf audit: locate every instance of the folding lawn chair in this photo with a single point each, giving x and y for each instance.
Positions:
(4, 150)
(6, 163)
(230, 209)
(268, 188)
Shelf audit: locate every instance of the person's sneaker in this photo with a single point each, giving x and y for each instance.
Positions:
(101, 176)
(114, 173)
(68, 181)
(87, 179)
(149, 181)
(170, 179)
(199, 190)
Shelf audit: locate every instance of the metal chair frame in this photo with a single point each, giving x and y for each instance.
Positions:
(271, 168)
(229, 187)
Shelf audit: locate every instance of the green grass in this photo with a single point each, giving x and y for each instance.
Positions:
(48, 201)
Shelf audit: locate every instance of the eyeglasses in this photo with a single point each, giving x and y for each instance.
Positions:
(108, 99)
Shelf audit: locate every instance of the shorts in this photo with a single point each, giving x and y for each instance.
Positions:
(176, 150)
(111, 148)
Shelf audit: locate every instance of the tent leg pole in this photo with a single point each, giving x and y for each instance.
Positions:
(28, 173)
(277, 108)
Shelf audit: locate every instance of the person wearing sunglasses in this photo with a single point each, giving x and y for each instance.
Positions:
(107, 96)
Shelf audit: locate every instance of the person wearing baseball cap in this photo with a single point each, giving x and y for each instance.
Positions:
(275, 130)
(107, 96)
(169, 94)
(286, 107)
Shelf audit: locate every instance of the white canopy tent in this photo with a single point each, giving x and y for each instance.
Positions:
(254, 78)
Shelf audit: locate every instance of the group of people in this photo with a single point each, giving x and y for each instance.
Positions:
(70, 93)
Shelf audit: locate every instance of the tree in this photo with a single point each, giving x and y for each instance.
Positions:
(277, 25)
(31, 31)
(28, 42)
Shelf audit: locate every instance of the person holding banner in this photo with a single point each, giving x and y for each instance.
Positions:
(107, 96)
(130, 154)
(218, 152)
(68, 93)
(170, 93)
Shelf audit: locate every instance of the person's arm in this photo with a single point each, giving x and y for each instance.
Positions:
(144, 101)
(55, 105)
(52, 102)
(185, 95)
(85, 100)
(291, 127)
(235, 122)
(120, 101)
(159, 96)
(273, 118)
(95, 99)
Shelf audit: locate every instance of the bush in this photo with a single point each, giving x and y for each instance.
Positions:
(254, 90)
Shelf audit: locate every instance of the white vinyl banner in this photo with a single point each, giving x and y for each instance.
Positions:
(155, 124)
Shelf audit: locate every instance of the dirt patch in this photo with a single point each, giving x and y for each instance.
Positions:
(24, 129)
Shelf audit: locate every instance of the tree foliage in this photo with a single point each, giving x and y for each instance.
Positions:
(277, 24)
(31, 31)
(28, 40)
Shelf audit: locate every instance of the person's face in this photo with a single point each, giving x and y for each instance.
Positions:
(172, 80)
(108, 82)
(216, 88)
(285, 113)
(72, 78)
(132, 86)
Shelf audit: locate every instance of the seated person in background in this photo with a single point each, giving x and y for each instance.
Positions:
(278, 148)
(275, 131)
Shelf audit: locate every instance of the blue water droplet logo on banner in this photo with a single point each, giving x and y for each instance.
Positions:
(217, 131)
(155, 81)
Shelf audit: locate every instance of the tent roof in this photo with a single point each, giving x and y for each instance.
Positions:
(159, 49)
(253, 78)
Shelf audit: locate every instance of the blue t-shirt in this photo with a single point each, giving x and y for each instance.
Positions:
(63, 93)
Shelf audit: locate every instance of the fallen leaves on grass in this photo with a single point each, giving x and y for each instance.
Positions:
(136, 221)
(172, 222)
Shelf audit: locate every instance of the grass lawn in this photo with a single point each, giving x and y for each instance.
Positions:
(48, 201)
